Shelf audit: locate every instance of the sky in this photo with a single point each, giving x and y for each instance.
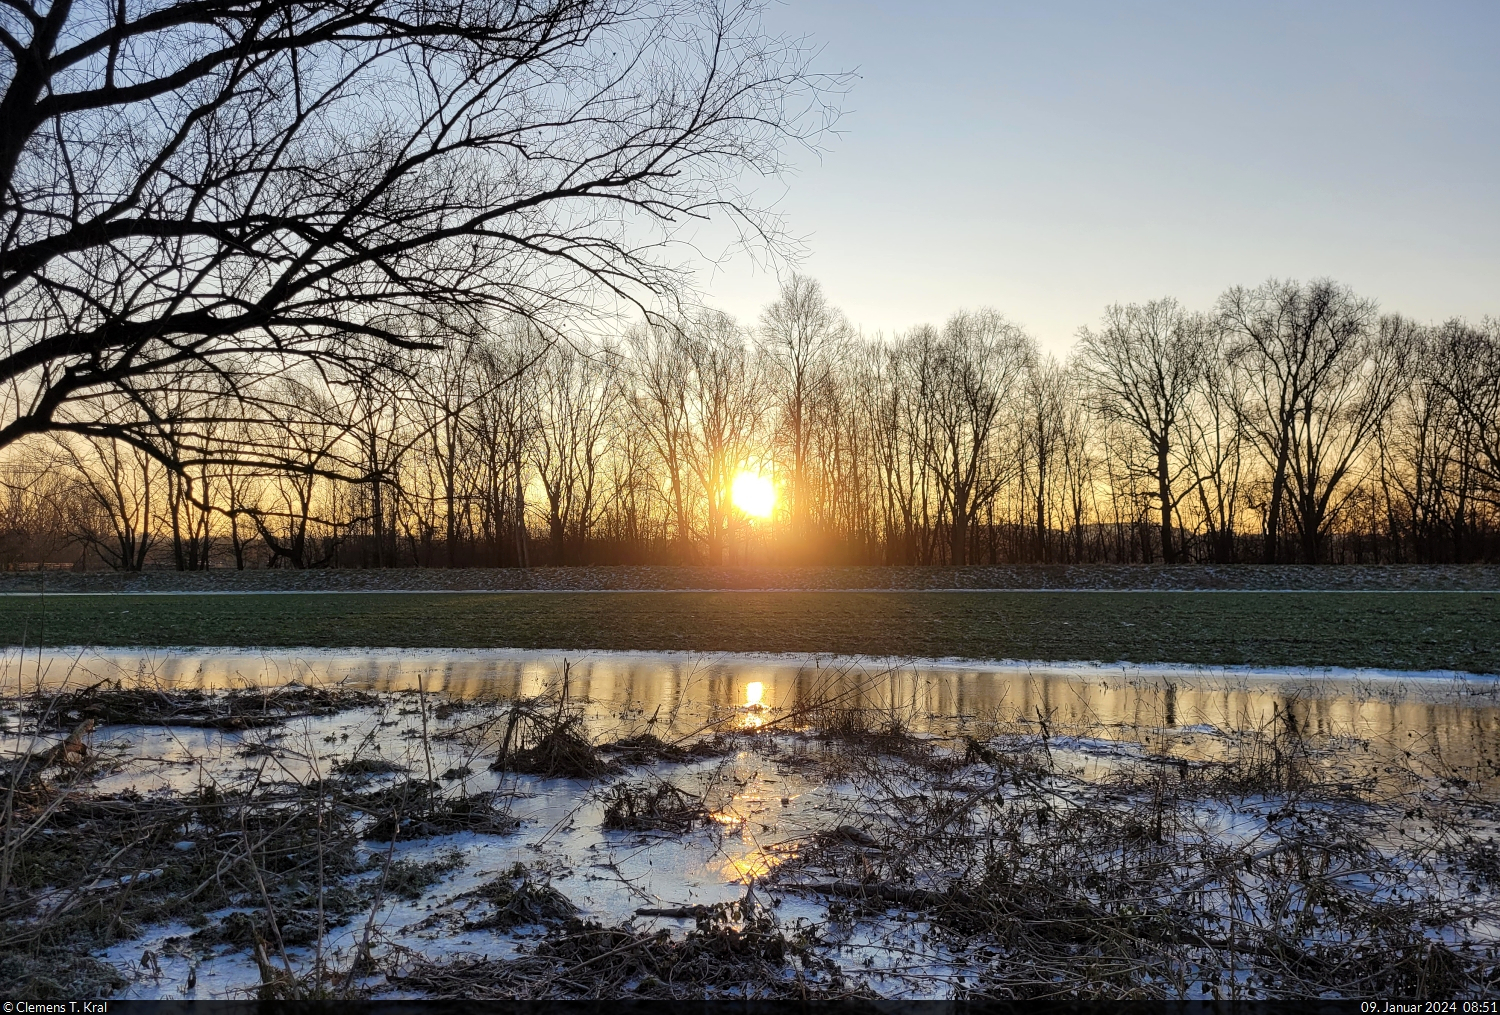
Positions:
(1049, 159)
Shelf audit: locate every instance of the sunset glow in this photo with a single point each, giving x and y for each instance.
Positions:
(753, 494)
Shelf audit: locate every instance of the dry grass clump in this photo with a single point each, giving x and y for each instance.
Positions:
(418, 809)
(659, 806)
(302, 700)
(367, 768)
(1277, 759)
(519, 898)
(450, 707)
(56, 975)
(836, 715)
(547, 742)
(408, 879)
(646, 749)
(109, 705)
(587, 961)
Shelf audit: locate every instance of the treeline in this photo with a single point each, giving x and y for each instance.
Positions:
(1288, 423)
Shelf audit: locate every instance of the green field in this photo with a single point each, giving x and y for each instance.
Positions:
(1421, 631)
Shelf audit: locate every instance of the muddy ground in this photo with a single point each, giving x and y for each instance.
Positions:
(325, 842)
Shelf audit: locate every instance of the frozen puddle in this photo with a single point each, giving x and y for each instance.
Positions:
(335, 824)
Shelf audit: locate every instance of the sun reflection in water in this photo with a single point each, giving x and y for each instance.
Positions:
(757, 863)
(753, 706)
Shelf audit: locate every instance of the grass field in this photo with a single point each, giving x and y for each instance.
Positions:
(1459, 631)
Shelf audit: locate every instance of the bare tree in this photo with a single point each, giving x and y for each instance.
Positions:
(1042, 437)
(840, 464)
(1144, 362)
(970, 389)
(502, 425)
(636, 517)
(211, 188)
(800, 330)
(289, 519)
(1336, 424)
(443, 388)
(574, 398)
(888, 380)
(1215, 442)
(36, 499)
(659, 366)
(240, 489)
(1080, 458)
(725, 410)
(1469, 374)
(370, 399)
(118, 488)
(1296, 345)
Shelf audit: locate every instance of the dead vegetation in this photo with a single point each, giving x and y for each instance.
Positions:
(419, 810)
(1278, 868)
(56, 974)
(866, 730)
(652, 806)
(81, 869)
(84, 870)
(408, 879)
(745, 960)
(519, 898)
(366, 768)
(649, 749)
(109, 703)
(552, 742)
(1139, 884)
(1478, 859)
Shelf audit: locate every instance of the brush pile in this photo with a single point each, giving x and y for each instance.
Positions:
(552, 743)
(418, 809)
(518, 899)
(656, 807)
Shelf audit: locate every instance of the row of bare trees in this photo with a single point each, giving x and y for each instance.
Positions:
(239, 238)
(1288, 423)
(302, 284)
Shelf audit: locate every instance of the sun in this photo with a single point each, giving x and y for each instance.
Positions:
(753, 494)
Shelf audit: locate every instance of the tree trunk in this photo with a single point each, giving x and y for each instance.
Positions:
(959, 541)
(1164, 491)
(1273, 511)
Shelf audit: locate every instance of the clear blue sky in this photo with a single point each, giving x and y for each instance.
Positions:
(1048, 158)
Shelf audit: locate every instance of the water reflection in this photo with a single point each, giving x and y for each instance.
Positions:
(1171, 710)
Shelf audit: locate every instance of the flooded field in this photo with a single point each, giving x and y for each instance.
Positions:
(513, 824)
(1181, 711)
